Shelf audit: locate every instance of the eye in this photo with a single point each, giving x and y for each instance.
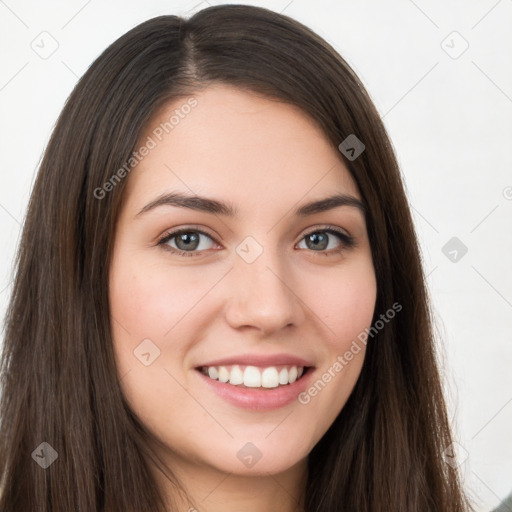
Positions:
(320, 241)
(186, 242)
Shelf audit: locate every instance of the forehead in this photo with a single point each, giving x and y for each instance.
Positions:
(238, 144)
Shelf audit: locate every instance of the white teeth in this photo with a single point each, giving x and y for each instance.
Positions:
(253, 376)
(223, 374)
(270, 378)
(236, 377)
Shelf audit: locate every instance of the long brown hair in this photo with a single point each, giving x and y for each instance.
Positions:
(384, 452)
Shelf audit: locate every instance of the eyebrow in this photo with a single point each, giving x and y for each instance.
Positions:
(214, 206)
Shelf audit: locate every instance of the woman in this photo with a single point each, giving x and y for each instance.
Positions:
(219, 300)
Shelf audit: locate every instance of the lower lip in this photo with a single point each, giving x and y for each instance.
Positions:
(259, 399)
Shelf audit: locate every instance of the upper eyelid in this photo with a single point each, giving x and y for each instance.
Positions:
(188, 229)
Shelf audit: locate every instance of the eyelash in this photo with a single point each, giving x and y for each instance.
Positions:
(347, 241)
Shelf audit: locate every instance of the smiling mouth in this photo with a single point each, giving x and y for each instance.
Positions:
(246, 376)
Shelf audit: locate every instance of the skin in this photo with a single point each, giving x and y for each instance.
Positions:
(265, 158)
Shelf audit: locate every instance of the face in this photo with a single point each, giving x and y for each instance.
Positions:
(232, 294)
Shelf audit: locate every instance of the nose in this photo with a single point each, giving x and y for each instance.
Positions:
(262, 296)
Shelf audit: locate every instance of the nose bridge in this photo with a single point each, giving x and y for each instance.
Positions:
(262, 292)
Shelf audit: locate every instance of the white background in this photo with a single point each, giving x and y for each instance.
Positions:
(450, 120)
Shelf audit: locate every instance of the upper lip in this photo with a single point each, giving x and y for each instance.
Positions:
(259, 360)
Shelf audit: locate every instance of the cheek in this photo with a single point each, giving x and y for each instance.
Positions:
(345, 302)
(149, 300)
(151, 306)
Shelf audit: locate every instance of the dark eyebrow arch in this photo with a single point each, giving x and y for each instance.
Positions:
(214, 206)
(202, 204)
(329, 203)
